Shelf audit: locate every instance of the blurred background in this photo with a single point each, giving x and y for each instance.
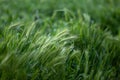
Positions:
(104, 12)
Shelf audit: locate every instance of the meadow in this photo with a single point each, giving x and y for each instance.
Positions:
(59, 39)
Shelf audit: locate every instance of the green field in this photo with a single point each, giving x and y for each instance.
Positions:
(59, 39)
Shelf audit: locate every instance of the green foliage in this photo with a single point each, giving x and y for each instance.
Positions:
(105, 12)
(59, 40)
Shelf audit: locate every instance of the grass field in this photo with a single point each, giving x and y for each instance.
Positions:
(59, 39)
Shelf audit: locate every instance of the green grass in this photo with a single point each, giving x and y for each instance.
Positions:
(59, 40)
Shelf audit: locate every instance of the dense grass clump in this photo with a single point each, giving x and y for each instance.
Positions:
(77, 52)
(49, 40)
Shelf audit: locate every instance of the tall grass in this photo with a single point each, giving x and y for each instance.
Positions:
(49, 40)
(76, 52)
